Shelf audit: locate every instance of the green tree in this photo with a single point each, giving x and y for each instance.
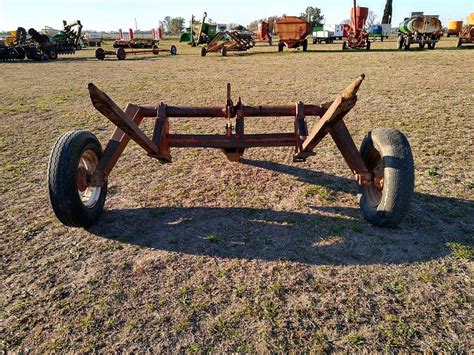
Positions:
(173, 25)
(313, 15)
(387, 12)
(177, 26)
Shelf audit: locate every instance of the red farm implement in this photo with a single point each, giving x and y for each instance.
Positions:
(79, 170)
(228, 41)
(358, 37)
(292, 32)
(121, 53)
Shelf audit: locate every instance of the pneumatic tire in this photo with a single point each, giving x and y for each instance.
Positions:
(73, 159)
(387, 155)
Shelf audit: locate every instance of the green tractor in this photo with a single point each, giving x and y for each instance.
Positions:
(199, 32)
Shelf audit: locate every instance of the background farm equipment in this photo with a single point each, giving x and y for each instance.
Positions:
(292, 32)
(132, 42)
(376, 32)
(454, 27)
(199, 32)
(228, 41)
(78, 170)
(121, 53)
(263, 33)
(421, 29)
(328, 33)
(13, 46)
(358, 37)
(466, 36)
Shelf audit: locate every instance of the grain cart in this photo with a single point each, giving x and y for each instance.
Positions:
(292, 32)
(466, 36)
(228, 41)
(421, 29)
(79, 170)
(358, 37)
(121, 53)
(454, 27)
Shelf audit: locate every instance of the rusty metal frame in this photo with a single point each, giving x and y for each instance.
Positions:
(234, 142)
(155, 51)
(228, 41)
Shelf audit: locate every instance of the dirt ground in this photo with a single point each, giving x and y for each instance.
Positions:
(268, 255)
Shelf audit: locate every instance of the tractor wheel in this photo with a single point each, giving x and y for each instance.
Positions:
(406, 43)
(368, 46)
(344, 45)
(203, 52)
(224, 51)
(400, 42)
(387, 154)
(155, 50)
(381, 39)
(53, 55)
(73, 159)
(280, 47)
(173, 50)
(305, 45)
(100, 53)
(121, 53)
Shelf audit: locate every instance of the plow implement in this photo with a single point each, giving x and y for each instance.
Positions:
(79, 169)
(228, 41)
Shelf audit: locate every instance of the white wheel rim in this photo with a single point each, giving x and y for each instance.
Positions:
(89, 161)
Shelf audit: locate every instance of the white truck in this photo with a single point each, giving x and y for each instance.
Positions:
(328, 33)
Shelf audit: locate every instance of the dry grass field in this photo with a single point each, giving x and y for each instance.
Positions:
(269, 255)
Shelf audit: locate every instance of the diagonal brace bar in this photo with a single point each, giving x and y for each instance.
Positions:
(344, 102)
(109, 109)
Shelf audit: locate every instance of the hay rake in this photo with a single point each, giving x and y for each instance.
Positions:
(79, 170)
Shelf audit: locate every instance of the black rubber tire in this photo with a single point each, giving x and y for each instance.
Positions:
(155, 49)
(224, 51)
(367, 47)
(173, 50)
(305, 45)
(398, 180)
(203, 52)
(406, 43)
(100, 53)
(431, 45)
(280, 47)
(459, 43)
(344, 45)
(52, 55)
(121, 53)
(400, 42)
(381, 39)
(421, 45)
(62, 171)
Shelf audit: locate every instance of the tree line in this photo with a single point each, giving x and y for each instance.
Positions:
(174, 26)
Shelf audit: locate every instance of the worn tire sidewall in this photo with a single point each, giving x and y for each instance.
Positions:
(81, 215)
(384, 212)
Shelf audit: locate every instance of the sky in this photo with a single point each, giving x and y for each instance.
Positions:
(110, 15)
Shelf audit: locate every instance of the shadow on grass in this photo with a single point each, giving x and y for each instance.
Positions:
(325, 235)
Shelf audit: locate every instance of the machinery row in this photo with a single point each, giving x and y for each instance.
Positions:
(417, 29)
